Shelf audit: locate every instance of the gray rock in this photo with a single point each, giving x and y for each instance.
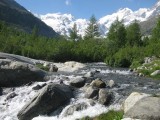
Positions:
(111, 83)
(79, 82)
(13, 57)
(46, 101)
(38, 87)
(98, 83)
(91, 92)
(157, 72)
(147, 108)
(53, 68)
(19, 73)
(89, 74)
(75, 107)
(11, 95)
(105, 97)
(1, 91)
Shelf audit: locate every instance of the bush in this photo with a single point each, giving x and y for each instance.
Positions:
(111, 115)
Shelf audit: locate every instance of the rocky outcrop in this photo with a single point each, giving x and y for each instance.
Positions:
(14, 73)
(46, 101)
(142, 106)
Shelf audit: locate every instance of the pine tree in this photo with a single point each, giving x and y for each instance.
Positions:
(156, 31)
(134, 34)
(117, 34)
(73, 32)
(92, 29)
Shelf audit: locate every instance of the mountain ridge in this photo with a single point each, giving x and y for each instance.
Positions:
(16, 15)
(64, 22)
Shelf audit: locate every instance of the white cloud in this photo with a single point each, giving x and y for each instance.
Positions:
(68, 2)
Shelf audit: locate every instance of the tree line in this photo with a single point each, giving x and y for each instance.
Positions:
(123, 46)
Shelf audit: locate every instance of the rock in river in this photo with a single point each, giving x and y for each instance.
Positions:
(19, 73)
(46, 101)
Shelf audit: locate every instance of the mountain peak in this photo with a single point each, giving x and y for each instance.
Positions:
(63, 23)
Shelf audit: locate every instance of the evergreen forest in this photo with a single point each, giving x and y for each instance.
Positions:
(123, 45)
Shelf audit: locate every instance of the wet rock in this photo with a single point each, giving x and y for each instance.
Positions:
(11, 95)
(105, 97)
(157, 72)
(75, 107)
(1, 91)
(78, 82)
(89, 74)
(132, 99)
(111, 83)
(19, 73)
(53, 68)
(147, 108)
(8, 90)
(4, 63)
(98, 83)
(38, 87)
(46, 101)
(141, 75)
(91, 92)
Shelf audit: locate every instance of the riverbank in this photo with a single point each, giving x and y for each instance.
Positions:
(118, 83)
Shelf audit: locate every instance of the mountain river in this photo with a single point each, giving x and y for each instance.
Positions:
(126, 82)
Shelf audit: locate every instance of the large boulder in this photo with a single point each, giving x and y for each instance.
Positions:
(19, 73)
(46, 101)
(132, 99)
(146, 109)
(78, 82)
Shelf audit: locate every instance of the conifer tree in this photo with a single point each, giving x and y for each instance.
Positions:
(92, 29)
(156, 31)
(73, 32)
(134, 34)
(117, 34)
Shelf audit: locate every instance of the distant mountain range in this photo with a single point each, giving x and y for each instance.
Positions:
(63, 23)
(16, 15)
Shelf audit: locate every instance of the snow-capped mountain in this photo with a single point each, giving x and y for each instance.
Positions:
(63, 23)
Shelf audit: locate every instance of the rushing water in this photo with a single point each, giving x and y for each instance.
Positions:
(126, 82)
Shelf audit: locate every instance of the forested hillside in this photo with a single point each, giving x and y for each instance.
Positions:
(17, 16)
(123, 46)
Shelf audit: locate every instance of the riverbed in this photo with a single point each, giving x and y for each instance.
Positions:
(125, 83)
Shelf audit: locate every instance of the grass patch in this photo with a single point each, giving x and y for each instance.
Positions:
(147, 69)
(42, 67)
(111, 115)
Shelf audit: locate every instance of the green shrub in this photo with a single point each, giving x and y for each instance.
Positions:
(42, 67)
(111, 115)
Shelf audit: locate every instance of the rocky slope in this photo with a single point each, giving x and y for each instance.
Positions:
(17, 16)
(62, 23)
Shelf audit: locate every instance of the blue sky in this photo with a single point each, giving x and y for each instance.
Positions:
(83, 8)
